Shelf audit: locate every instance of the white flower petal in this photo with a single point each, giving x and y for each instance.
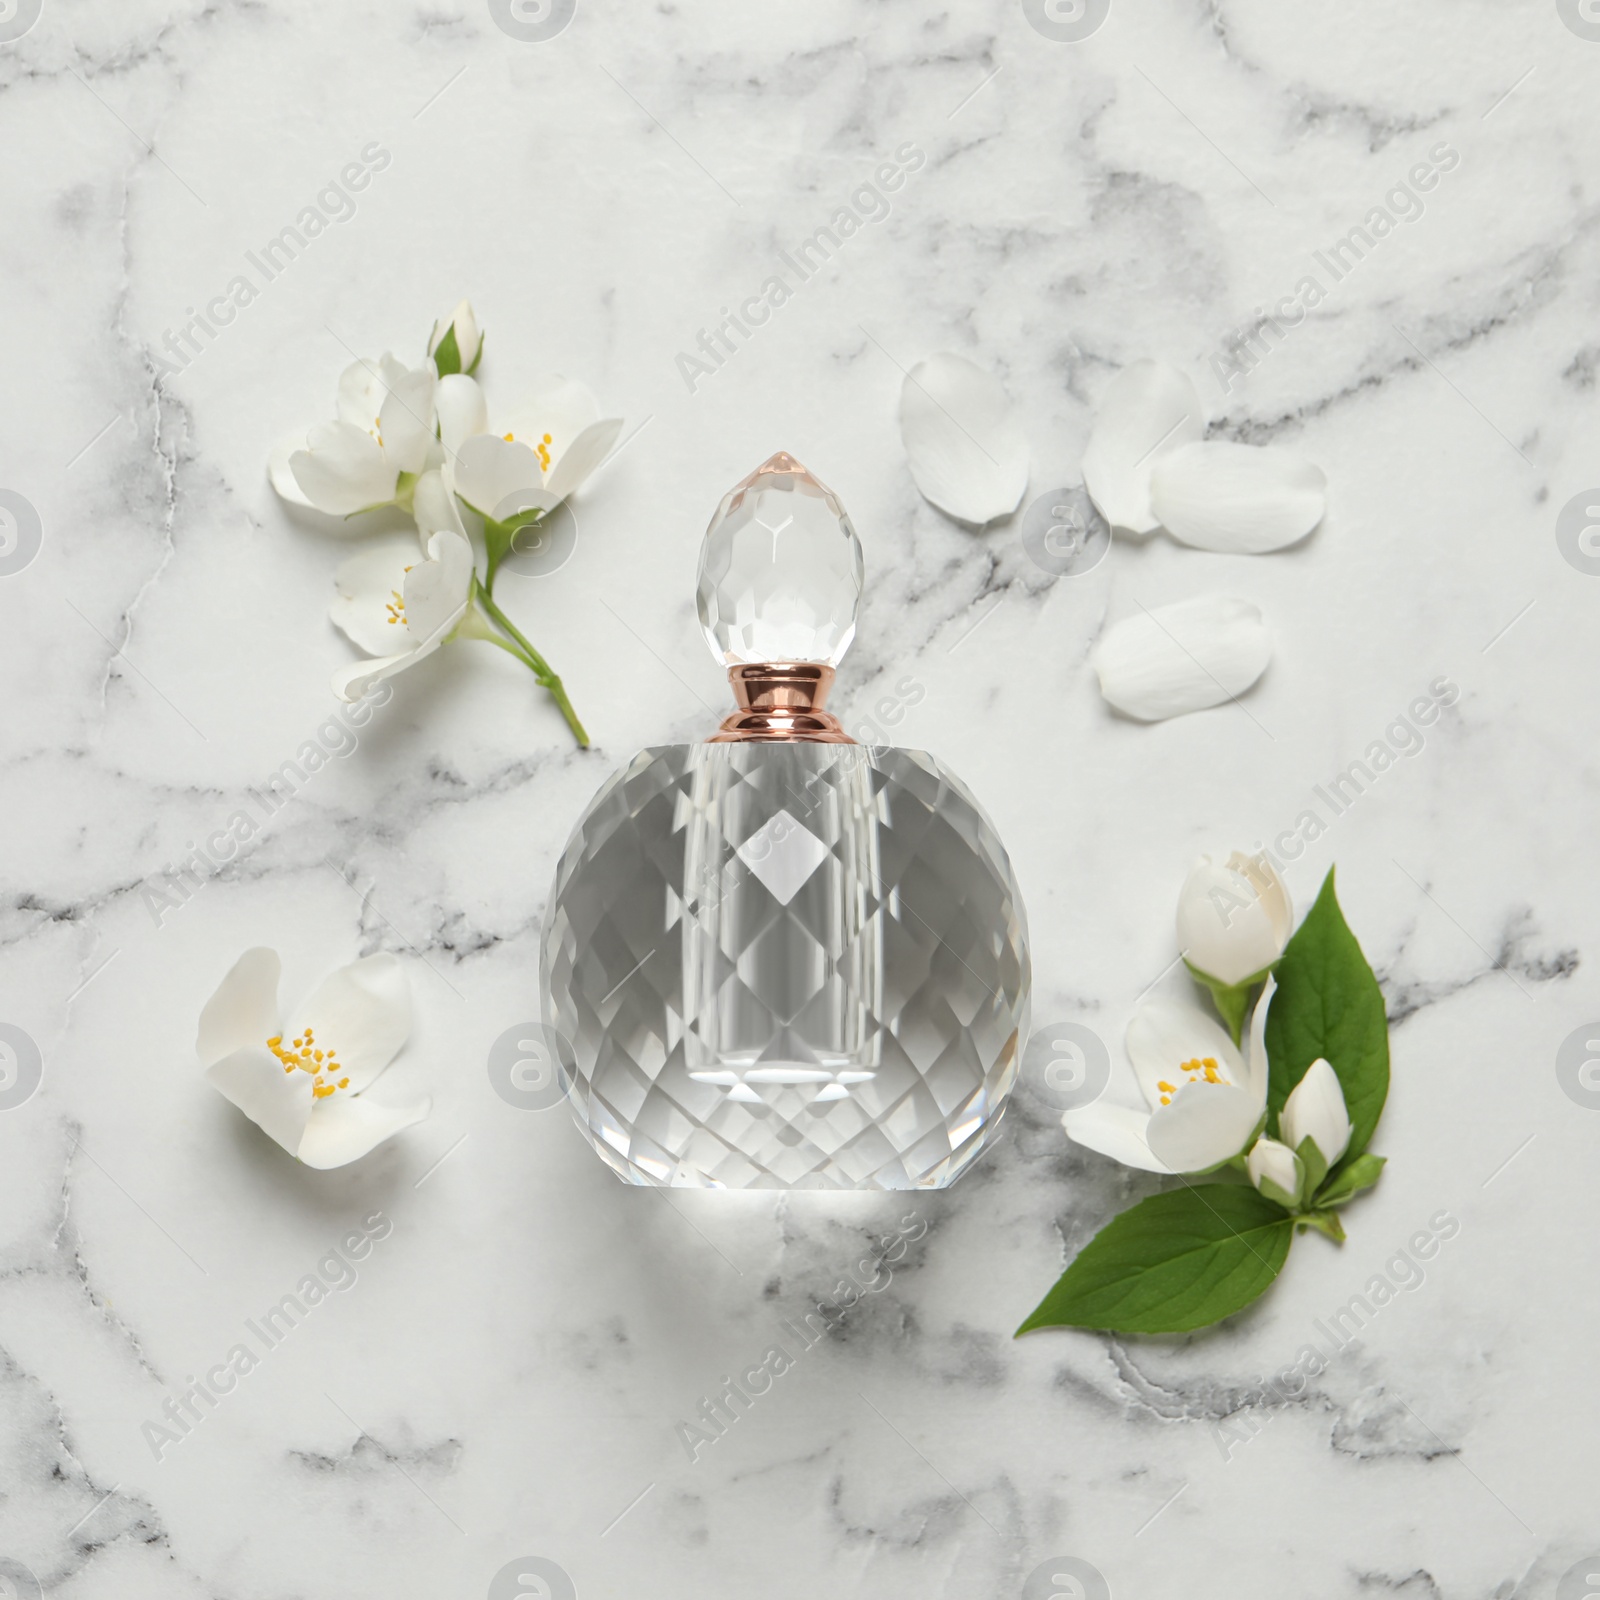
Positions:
(1217, 495)
(1234, 918)
(1182, 657)
(366, 587)
(468, 337)
(462, 410)
(1163, 1035)
(1316, 1110)
(363, 1011)
(1115, 1131)
(343, 470)
(361, 392)
(405, 424)
(1271, 1162)
(244, 1009)
(1206, 1123)
(352, 683)
(436, 590)
(281, 473)
(1256, 1061)
(963, 438)
(278, 1102)
(560, 407)
(435, 507)
(488, 471)
(582, 456)
(342, 1129)
(1147, 410)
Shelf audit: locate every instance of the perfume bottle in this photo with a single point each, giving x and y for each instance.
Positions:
(783, 959)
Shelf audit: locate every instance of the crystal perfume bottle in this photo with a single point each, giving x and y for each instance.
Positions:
(783, 959)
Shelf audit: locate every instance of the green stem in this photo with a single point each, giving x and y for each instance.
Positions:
(541, 668)
(1324, 1222)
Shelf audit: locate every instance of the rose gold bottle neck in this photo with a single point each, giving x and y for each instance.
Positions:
(781, 701)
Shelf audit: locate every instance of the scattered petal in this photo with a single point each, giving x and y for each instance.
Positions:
(1183, 657)
(1217, 495)
(963, 438)
(1149, 410)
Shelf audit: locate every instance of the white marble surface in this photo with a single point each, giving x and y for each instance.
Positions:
(505, 1378)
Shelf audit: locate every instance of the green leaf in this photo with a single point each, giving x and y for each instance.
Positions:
(1361, 1174)
(447, 358)
(1328, 1004)
(1232, 1000)
(1174, 1262)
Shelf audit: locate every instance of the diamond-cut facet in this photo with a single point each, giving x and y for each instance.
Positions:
(783, 854)
(731, 1024)
(780, 570)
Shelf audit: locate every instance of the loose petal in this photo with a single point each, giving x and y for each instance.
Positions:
(1183, 657)
(343, 1129)
(244, 1009)
(278, 1102)
(1114, 1131)
(1205, 1125)
(1148, 410)
(461, 409)
(343, 470)
(1217, 495)
(964, 439)
(364, 1012)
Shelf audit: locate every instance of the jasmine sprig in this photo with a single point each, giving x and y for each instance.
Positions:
(1191, 1256)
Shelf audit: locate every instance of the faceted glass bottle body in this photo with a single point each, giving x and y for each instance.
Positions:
(786, 966)
(781, 959)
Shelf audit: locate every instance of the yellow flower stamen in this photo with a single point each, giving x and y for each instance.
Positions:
(304, 1057)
